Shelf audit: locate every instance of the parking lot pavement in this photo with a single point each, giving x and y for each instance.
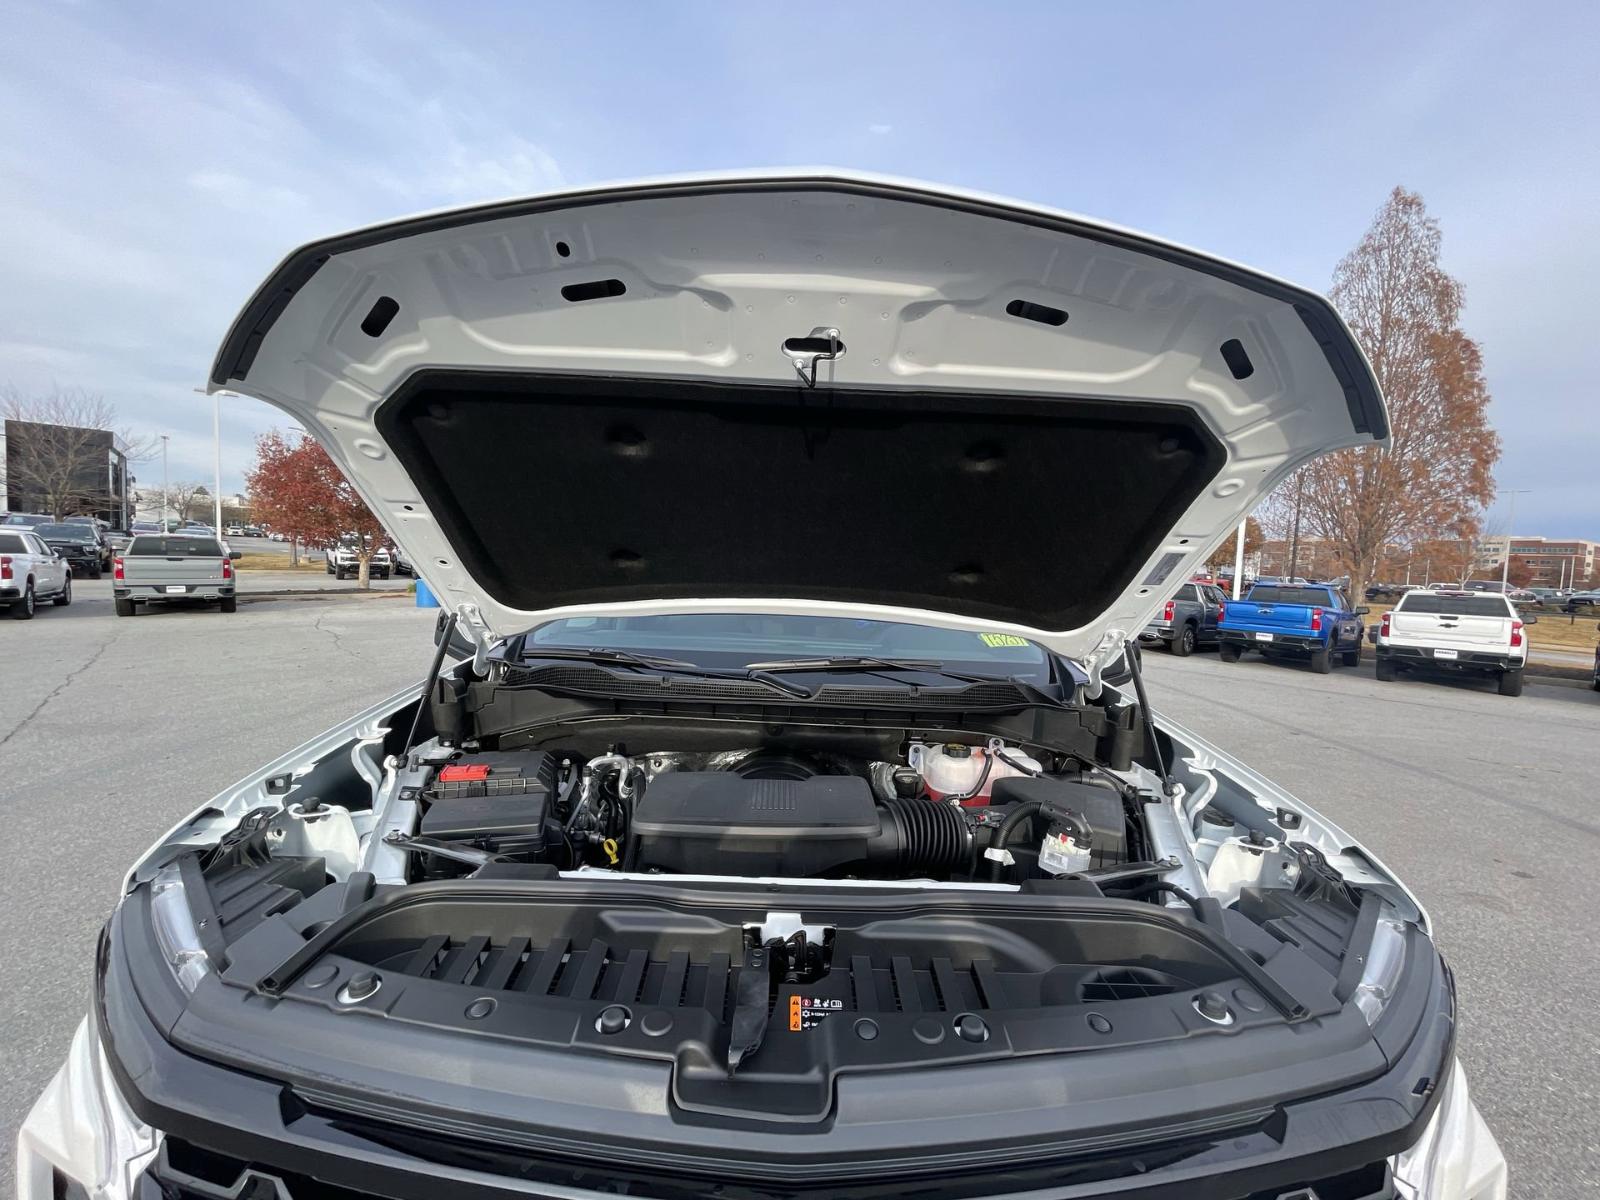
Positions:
(111, 730)
(1488, 808)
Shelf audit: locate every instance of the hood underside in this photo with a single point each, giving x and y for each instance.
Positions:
(827, 395)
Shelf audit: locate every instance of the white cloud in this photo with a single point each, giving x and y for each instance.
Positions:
(880, 129)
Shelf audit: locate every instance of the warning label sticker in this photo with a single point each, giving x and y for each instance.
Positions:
(806, 1012)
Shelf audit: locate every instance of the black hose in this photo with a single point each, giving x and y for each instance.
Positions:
(1016, 766)
(1014, 818)
(1161, 885)
(921, 836)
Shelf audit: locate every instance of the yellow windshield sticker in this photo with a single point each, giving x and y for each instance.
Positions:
(1002, 639)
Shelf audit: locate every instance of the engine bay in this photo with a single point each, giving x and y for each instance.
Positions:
(948, 812)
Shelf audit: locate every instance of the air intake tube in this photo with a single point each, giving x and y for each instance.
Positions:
(918, 836)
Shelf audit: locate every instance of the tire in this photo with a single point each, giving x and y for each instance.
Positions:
(229, 604)
(339, 574)
(1183, 645)
(1511, 683)
(125, 608)
(22, 610)
(1352, 658)
(65, 598)
(1596, 684)
(1322, 662)
(1386, 671)
(1228, 652)
(330, 568)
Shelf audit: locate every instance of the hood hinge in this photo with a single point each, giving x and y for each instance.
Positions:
(470, 622)
(1103, 655)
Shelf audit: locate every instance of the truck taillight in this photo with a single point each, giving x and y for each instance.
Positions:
(5, 566)
(1222, 611)
(116, 567)
(1316, 620)
(1383, 626)
(227, 568)
(1516, 634)
(1166, 613)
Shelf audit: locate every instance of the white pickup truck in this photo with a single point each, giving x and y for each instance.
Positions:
(1476, 632)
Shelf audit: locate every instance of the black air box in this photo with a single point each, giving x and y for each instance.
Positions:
(719, 823)
(1099, 806)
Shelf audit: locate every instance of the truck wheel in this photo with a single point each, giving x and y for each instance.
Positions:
(1511, 683)
(229, 604)
(1352, 658)
(1183, 644)
(65, 598)
(1386, 671)
(22, 609)
(1322, 661)
(330, 568)
(1228, 652)
(125, 608)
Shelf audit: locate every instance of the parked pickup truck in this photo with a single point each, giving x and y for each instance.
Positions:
(1189, 620)
(1479, 633)
(159, 568)
(1313, 621)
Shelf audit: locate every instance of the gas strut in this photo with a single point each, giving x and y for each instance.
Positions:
(446, 630)
(1169, 785)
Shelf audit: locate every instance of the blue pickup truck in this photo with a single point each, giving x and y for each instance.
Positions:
(1312, 621)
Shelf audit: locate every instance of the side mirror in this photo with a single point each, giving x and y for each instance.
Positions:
(59, 553)
(1529, 619)
(235, 555)
(1362, 611)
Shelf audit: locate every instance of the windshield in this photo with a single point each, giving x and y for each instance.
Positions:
(738, 639)
(64, 532)
(1289, 595)
(27, 519)
(175, 546)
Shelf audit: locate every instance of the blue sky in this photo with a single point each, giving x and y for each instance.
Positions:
(157, 158)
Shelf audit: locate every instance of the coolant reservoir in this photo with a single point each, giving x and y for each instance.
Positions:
(966, 774)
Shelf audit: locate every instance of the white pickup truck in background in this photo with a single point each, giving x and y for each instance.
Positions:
(1463, 631)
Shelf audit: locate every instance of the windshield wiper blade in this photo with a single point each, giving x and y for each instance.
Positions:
(652, 662)
(867, 662)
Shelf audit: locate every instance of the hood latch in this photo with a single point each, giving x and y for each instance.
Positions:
(806, 352)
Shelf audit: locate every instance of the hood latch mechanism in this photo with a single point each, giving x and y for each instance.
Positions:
(806, 352)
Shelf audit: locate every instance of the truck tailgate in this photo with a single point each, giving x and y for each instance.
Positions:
(1246, 614)
(1449, 629)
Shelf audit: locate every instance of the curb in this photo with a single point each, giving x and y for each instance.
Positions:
(324, 594)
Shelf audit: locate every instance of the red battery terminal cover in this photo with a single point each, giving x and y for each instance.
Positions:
(464, 773)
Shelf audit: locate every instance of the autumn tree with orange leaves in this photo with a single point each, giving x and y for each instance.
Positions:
(1433, 481)
(297, 489)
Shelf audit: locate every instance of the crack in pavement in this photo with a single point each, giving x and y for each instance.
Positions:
(58, 689)
(338, 639)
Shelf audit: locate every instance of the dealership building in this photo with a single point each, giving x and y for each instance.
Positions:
(1554, 562)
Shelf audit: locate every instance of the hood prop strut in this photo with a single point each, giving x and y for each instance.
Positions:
(1169, 785)
(448, 628)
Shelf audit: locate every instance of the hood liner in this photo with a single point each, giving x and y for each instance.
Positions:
(571, 490)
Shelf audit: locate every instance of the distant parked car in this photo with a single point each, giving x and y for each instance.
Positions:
(344, 562)
(1314, 621)
(402, 564)
(233, 530)
(79, 545)
(161, 568)
(253, 531)
(28, 520)
(29, 572)
(1478, 633)
(1595, 681)
(1189, 619)
(1582, 601)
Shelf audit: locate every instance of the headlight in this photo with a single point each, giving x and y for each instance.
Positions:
(81, 1139)
(1385, 960)
(175, 930)
(1457, 1157)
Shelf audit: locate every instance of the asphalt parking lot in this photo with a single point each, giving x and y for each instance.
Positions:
(110, 730)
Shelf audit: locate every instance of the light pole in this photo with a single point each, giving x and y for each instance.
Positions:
(1511, 519)
(216, 453)
(164, 492)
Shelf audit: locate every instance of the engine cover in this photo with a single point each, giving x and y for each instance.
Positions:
(719, 823)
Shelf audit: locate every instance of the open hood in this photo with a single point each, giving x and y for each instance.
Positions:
(803, 394)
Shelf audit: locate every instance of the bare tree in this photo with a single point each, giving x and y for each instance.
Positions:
(1431, 482)
(58, 458)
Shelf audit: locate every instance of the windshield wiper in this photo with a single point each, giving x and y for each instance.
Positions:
(867, 662)
(652, 662)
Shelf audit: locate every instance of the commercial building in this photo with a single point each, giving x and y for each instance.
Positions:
(65, 470)
(1552, 562)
